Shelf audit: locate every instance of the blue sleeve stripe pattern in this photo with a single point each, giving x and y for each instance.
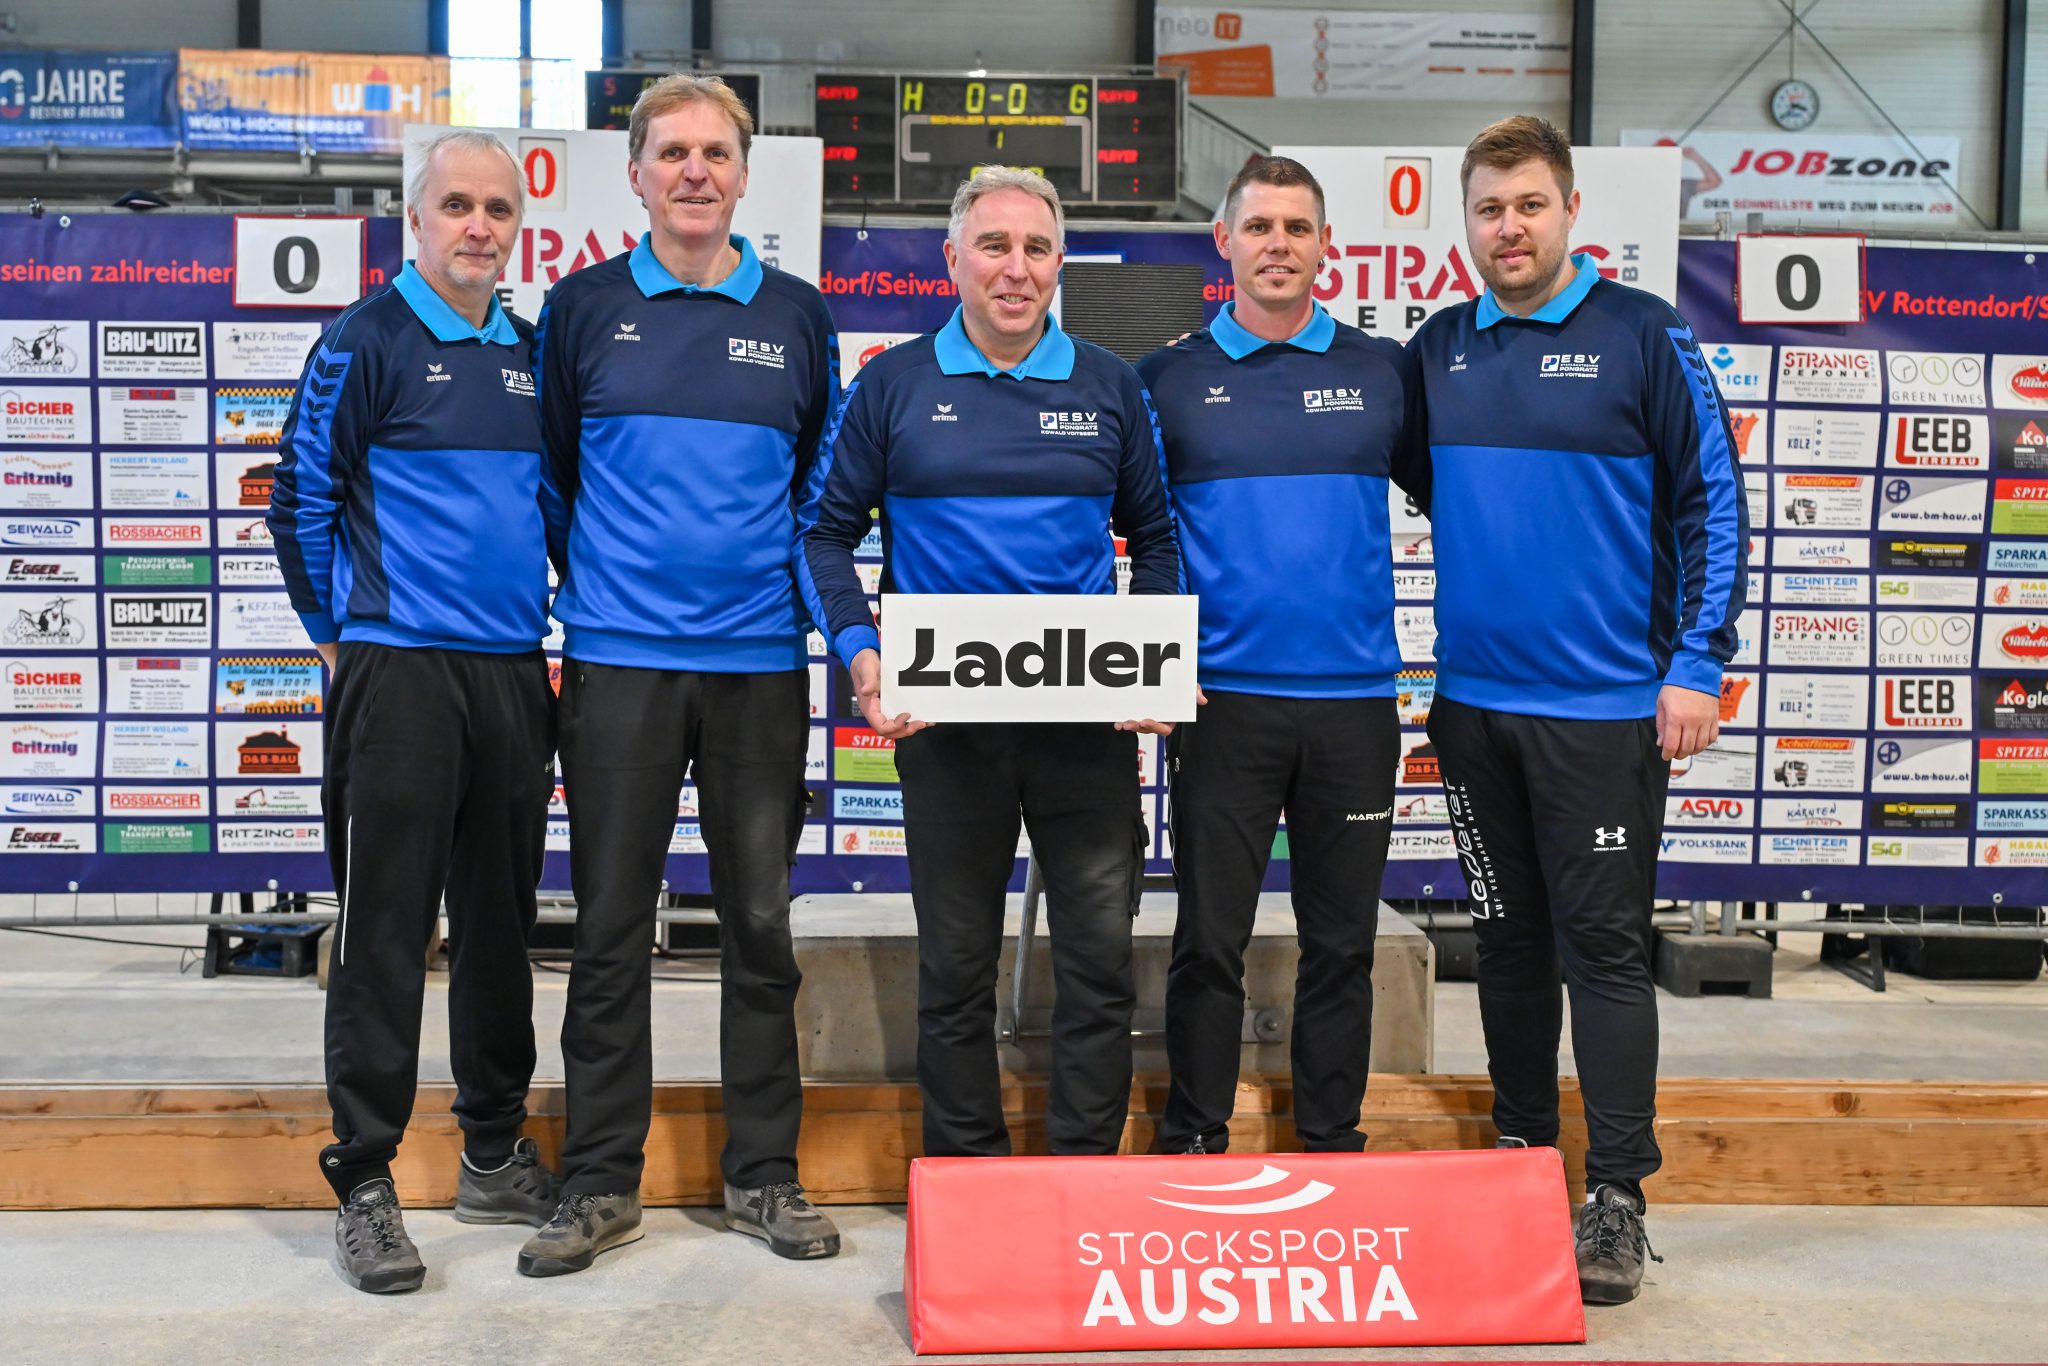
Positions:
(554, 502)
(304, 499)
(807, 515)
(1166, 483)
(1709, 626)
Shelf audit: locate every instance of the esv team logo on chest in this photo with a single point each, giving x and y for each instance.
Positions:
(1068, 424)
(518, 383)
(1333, 400)
(756, 353)
(1570, 365)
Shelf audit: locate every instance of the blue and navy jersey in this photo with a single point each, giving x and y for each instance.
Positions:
(988, 481)
(407, 505)
(681, 422)
(1278, 459)
(1590, 525)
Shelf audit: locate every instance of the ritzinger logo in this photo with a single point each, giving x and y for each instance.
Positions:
(748, 352)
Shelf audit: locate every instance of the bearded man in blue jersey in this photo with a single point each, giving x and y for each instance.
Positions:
(1590, 542)
(1282, 429)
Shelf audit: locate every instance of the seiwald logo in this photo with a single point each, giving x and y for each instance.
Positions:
(1268, 1176)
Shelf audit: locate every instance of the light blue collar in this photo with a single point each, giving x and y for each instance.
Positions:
(1557, 310)
(443, 321)
(1237, 343)
(653, 278)
(1052, 358)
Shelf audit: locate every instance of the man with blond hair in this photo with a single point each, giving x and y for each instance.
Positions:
(1590, 538)
(945, 435)
(684, 389)
(408, 525)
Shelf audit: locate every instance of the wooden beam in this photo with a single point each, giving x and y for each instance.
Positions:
(1724, 1141)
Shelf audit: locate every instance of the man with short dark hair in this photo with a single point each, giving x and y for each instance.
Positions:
(1590, 534)
(979, 495)
(684, 390)
(1282, 429)
(407, 519)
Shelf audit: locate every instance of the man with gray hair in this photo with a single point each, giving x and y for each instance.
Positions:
(408, 524)
(946, 435)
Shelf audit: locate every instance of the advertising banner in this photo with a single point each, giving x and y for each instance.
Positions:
(261, 101)
(1516, 59)
(581, 209)
(1814, 178)
(88, 99)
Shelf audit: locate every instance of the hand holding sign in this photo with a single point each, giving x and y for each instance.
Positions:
(866, 669)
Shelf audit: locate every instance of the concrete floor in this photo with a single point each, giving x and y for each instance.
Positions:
(1738, 1284)
(71, 1010)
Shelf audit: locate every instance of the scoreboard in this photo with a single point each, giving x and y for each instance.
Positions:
(905, 138)
(609, 94)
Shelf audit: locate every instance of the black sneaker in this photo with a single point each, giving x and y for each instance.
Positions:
(523, 1191)
(783, 1217)
(582, 1227)
(1611, 1245)
(371, 1249)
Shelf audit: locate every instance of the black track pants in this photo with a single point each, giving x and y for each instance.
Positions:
(1558, 824)
(439, 768)
(966, 789)
(629, 737)
(1329, 763)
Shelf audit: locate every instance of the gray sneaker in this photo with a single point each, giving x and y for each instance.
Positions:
(1505, 1141)
(781, 1216)
(582, 1227)
(371, 1249)
(523, 1191)
(1611, 1244)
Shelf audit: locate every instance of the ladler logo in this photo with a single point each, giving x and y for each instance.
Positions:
(1063, 660)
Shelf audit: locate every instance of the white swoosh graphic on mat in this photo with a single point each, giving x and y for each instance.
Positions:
(1267, 1176)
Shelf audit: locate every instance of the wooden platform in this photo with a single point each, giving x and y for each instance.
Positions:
(1724, 1142)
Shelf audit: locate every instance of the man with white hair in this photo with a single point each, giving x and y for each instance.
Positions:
(979, 494)
(408, 525)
